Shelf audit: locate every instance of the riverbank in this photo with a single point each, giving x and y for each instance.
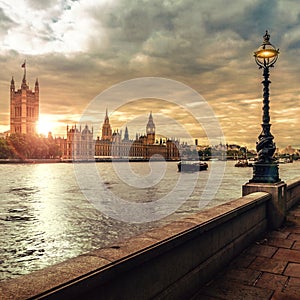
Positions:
(29, 161)
(59, 160)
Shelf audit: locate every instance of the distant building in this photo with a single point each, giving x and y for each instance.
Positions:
(111, 145)
(78, 145)
(288, 150)
(24, 107)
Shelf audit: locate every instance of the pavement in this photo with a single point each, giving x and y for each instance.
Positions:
(268, 269)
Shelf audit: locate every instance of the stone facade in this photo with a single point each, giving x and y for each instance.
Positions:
(111, 145)
(79, 144)
(24, 107)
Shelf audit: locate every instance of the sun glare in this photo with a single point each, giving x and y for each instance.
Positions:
(44, 125)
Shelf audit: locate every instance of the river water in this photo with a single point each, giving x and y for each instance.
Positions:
(47, 216)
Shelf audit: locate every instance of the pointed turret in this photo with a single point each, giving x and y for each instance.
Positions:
(36, 84)
(126, 135)
(150, 125)
(24, 106)
(36, 89)
(106, 129)
(150, 129)
(24, 85)
(12, 84)
(106, 118)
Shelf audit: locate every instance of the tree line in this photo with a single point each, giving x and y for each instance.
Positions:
(26, 146)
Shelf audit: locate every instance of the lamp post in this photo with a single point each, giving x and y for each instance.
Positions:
(265, 169)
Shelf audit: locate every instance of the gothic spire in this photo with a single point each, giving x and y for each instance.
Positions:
(106, 128)
(150, 126)
(24, 67)
(106, 119)
(126, 135)
(12, 85)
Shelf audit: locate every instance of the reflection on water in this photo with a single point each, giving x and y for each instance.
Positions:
(45, 218)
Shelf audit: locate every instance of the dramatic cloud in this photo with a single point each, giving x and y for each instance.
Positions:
(77, 49)
(5, 23)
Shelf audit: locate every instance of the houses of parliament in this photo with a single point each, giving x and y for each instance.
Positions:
(80, 144)
(24, 107)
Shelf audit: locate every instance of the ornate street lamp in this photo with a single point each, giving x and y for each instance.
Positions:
(265, 169)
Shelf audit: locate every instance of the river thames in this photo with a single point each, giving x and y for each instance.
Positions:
(45, 216)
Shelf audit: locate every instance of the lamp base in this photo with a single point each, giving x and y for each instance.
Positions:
(265, 173)
(276, 208)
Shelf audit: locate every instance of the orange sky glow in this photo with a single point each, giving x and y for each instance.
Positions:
(79, 49)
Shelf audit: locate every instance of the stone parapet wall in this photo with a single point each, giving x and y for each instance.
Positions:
(293, 192)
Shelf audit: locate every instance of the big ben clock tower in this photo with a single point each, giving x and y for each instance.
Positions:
(150, 129)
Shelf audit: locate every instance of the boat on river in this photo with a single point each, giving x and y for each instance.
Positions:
(243, 164)
(284, 160)
(192, 166)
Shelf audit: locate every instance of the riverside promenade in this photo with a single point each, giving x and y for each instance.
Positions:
(268, 269)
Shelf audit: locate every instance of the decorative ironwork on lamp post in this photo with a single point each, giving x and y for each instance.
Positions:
(265, 169)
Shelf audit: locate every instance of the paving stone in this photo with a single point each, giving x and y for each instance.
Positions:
(296, 246)
(294, 236)
(262, 250)
(294, 220)
(290, 291)
(295, 229)
(288, 254)
(242, 261)
(230, 290)
(278, 295)
(243, 275)
(272, 281)
(279, 242)
(271, 265)
(275, 265)
(275, 262)
(278, 234)
(293, 270)
(293, 284)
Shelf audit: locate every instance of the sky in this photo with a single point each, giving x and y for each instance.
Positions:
(80, 49)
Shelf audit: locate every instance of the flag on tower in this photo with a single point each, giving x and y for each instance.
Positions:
(24, 64)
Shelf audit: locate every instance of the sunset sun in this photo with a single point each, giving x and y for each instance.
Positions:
(45, 125)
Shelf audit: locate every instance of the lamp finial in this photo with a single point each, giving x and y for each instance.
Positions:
(266, 37)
